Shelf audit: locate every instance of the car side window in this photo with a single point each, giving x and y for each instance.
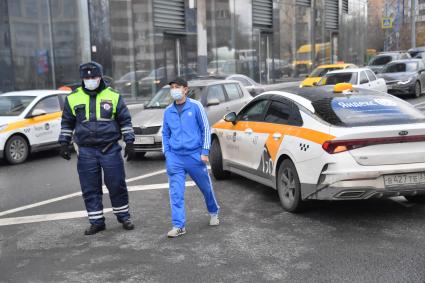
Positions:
(232, 91)
(286, 113)
(278, 113)
(253, 112)
(49, 104)
(216, 91)
(371, 75)
(363, 78)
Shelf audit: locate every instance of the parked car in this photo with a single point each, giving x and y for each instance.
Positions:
(324, 144)
(30, 121)
(359, 77)
(379, 61)
(320, 71)
(218, 97)
(405, 77)
(249, 84)
(420, 55)
(414, 51)
(129, 81)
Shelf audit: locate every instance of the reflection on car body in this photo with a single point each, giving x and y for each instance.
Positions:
(329, 142)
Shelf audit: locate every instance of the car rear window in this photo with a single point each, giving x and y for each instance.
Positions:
(366, 110)
(380, 60)
(333, 79)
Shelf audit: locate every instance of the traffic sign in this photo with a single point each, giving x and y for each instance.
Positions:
(387, 23)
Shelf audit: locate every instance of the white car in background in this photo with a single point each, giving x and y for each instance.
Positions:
(360, 78)
(30, 121)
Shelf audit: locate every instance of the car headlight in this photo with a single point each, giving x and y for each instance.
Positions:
(405, 82)
(2, 127)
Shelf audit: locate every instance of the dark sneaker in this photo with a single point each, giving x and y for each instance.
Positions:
(128, 225)
(175, 232)
(93, 229)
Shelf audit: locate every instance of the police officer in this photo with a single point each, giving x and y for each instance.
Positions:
(96, 117)
(186, 141)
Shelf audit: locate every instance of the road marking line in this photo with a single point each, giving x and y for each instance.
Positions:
(420, 103)
(78, 214)
(46, 217)
(25, 207)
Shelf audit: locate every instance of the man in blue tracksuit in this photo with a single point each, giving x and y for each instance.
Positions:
(96, 117)
(186, 139)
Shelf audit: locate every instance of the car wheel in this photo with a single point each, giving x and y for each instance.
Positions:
(418, 90)
(141, 154)
(416, 199)
(289, 187)
(216, 161)
(16, 150)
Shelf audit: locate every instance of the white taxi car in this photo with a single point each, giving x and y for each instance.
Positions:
(328, 143)
(29, 122)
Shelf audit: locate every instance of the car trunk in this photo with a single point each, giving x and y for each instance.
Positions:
(385, 145)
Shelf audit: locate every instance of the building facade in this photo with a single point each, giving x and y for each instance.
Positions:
(144, 43)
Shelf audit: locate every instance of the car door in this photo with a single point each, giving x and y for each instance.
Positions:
(45, 128)
(235, 97)
(243, 144)
(364, 80)
(376, 84)
(216, 111)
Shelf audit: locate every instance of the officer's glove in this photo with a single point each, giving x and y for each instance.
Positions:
(129, 151)
(65, 152)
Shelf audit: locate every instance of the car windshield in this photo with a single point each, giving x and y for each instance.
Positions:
(163, 98)
(380, 60)
(367, 110)
(303, 56)
(14, 105)
(401, 67)
(320, 72)
(337, 78)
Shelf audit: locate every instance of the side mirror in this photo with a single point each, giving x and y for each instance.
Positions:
(213, 101)
(315, 83)
(230, 117)
(37, 112)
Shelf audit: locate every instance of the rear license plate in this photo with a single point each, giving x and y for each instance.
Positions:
(144, 140)
(409, 179)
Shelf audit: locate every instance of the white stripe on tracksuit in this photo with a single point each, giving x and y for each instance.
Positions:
(207, 130)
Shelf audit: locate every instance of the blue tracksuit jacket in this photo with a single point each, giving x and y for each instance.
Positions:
(182, 134)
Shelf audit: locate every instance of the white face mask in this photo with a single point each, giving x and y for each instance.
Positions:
(92, 84)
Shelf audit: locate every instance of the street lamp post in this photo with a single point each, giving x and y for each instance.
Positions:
(413, 23)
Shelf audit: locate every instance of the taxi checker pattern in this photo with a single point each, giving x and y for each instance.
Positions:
(330, 161)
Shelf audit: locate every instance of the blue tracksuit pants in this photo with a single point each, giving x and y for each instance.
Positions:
(177, 168)
(91, 161)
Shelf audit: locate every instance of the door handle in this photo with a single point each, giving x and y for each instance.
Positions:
(277, 136)
(248, 131)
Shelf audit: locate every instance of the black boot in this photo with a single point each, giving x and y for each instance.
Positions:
(128, 225)
(93, 229)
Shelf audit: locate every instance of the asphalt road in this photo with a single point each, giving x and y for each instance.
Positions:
(361, 241)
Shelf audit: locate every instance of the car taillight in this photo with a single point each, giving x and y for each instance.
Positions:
(337, 146)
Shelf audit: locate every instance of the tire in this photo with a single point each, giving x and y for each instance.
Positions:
(289, 187)
(416, 199)
(418, 90)
(216, 161)
(16, 150)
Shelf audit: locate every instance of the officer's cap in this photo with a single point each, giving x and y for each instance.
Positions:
(179, 80)
(90, 70)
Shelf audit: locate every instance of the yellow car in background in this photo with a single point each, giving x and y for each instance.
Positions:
(320, 71)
